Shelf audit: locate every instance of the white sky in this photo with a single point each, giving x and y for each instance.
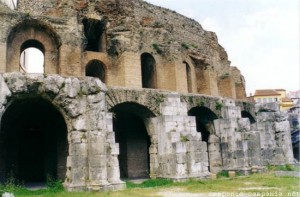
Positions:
(261, 37)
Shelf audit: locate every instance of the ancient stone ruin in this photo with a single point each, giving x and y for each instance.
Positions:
(127, 90)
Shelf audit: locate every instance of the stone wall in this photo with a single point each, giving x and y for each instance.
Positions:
(273, 124)
(92, 156)
(175, 124)
(125, 30)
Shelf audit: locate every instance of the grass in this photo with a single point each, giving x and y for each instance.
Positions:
(283, 168)
(255, 183)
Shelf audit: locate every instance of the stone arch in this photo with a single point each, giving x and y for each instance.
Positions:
(204, 124)
(211, 103)
(188, 77)
(34, 143)
(129, 124)
(204, 121)
(28, 33)
(148, 68)
(96, 68)
(150, 98)
(248, 115)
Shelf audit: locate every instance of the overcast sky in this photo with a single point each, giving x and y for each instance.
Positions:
(261, 37)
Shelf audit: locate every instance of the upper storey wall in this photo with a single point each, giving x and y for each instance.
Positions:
(117, 33)
(178, 31)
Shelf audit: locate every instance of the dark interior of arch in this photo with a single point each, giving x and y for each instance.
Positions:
(95, 68)
(33, 142)
(246, 114)
(133, 139)
(32, 43)
(188, 76)
(148, 71)
(204, 119)
(94, 31)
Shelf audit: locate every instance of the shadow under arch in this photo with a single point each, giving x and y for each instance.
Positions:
(204, 120)
(133, 138)
(148, 68)
(96, 68)
(33, 141)
(246, 114)
(204, 124)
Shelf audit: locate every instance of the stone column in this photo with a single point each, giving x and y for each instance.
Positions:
(2, 57)
(181, 153)
(77, 161)
(230, 129)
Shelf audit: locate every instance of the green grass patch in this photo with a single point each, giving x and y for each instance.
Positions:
(255, 183)
(283, 168)
(150, 183)
(222, 174)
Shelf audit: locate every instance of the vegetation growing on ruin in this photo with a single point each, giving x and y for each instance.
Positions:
(219, 106)
(183, 138)
(157, 48)
(225, 75)
(185, 45)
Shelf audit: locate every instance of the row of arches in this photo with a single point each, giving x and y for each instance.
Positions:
(34, 47)
(34, 145)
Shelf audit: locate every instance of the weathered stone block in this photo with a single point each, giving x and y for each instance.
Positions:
(180, 147)
(181, 158)
(79, 124)
(97, 161)
(113, 149)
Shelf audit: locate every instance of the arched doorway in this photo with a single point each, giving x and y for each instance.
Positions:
(148, 71)
(204, 124)
(32, 57)
(134, 141)
(96, 68)
(33, 143)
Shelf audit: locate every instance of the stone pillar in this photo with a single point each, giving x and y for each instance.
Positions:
(2, 57)
(214, 152)
(77, 168)
(131, 63)
(230, 130)
(275, 135)
(181, 153)
(97, 160)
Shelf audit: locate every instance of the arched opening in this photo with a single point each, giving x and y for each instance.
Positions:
(33, 143)
(246, 114)
(132, 136)
(148, 71)
(32, 57)
(40, 36)
(204, 121)
(188, 77)
(204, 124)
(95, 68)
(94, 31)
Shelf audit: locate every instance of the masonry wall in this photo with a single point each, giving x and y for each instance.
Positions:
(91, 162)
(146, 26)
